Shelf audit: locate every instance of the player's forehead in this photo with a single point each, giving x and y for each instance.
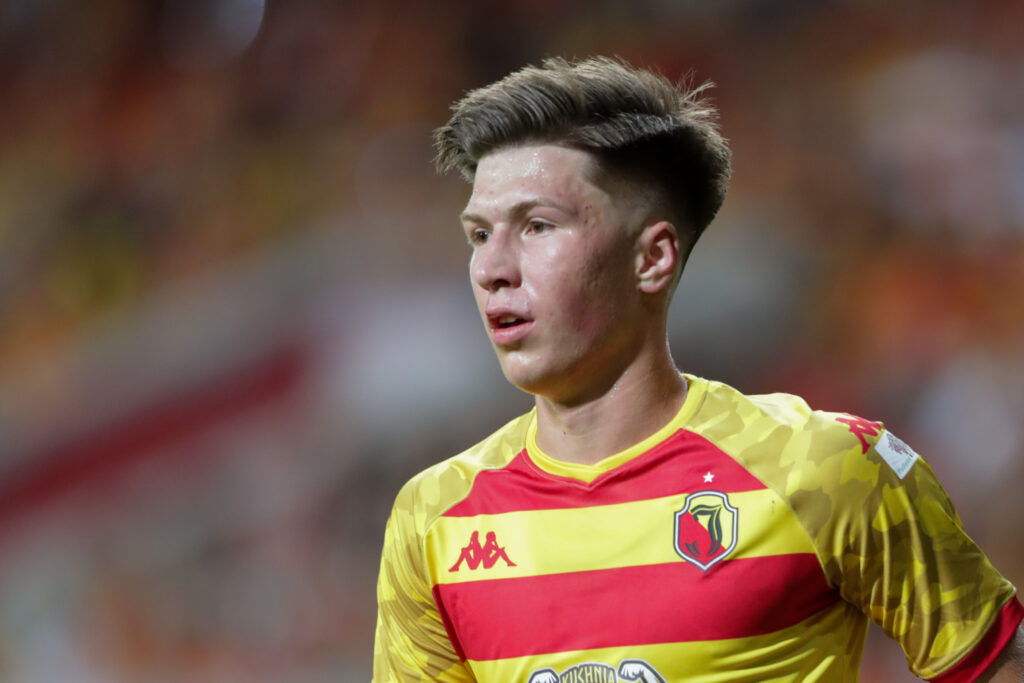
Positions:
(542, 173)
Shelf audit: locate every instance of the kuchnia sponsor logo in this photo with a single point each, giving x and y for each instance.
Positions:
(595, 672)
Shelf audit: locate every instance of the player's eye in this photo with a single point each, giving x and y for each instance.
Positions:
(477, 236)
(537, 226)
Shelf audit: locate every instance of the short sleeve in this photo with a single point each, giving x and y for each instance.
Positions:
(411, 643)
(898, 551)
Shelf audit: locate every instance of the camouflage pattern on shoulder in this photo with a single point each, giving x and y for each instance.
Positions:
(892, 545)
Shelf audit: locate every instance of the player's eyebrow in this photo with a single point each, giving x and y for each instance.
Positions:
(518, 210)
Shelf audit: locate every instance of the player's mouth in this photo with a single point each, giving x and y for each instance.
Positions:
(508, 328)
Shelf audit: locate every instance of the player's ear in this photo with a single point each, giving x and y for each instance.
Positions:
(657, 256)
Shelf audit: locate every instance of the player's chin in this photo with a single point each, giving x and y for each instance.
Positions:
(521, 372)
(536, 378)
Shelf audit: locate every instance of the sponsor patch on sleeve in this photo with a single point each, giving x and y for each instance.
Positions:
(898, 455)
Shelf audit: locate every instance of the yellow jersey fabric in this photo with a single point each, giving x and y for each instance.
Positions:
(750, 539)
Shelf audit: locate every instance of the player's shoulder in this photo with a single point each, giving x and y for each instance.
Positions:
(835, 460)
(787, 422)
(442, 485)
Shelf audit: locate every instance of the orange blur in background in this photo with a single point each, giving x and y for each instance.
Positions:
(235, 315)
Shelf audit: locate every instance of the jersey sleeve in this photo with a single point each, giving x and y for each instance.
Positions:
(411, 643)
(898, 551)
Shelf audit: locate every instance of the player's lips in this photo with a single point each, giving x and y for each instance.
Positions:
(507, 327)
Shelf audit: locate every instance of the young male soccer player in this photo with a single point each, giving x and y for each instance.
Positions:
(642, 524)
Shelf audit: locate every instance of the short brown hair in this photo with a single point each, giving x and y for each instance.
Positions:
(635, 121)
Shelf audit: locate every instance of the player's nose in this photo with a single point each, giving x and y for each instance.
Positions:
(495, 264)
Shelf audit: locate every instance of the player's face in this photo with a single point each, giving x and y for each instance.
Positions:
(553, 270)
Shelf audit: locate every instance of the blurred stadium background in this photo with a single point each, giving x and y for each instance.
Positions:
(234, 315)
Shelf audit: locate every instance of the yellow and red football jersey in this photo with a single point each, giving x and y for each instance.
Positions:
(750, 539)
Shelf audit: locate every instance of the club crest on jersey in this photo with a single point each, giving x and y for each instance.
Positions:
(594, 672)
(706, 529)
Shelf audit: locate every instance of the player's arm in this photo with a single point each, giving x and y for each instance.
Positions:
(902, 556)
(1009, 666)
(411, 643)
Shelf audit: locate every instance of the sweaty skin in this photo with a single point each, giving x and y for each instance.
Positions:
(572, 281)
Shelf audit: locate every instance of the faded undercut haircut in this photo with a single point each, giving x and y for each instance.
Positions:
(637, 123)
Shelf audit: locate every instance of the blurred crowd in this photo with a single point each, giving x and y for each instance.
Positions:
(234, 315)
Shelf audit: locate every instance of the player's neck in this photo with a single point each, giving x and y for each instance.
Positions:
(642, 401)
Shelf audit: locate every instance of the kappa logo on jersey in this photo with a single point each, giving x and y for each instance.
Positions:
(862, 429)
(487, 554)
(593, 672)
(706, 529)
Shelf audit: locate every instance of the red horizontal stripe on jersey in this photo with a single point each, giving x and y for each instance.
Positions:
(680, 464)
(663, 603)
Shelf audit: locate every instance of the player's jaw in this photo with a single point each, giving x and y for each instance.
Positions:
(554, 353)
